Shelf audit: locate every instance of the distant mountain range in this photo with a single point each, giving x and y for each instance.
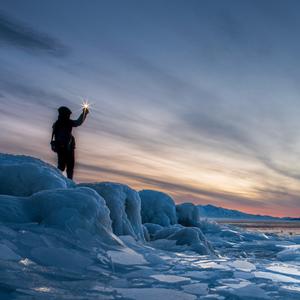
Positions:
(211, 211)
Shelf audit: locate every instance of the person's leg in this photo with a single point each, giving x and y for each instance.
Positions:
(61, 159)
(70, 163)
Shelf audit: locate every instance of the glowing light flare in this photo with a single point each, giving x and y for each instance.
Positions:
(85, 105)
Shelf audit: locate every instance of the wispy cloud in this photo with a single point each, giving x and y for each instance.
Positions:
(174, 188)
(17, 34)
(202, 103)
(23, 91)
(284, 171)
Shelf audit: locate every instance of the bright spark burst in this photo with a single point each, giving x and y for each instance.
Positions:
(85, 104)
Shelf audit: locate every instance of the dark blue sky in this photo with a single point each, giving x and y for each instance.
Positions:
(196, 98)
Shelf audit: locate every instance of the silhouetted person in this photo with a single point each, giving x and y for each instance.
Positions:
(62, 141)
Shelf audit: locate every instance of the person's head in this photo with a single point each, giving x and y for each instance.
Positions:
(64, 112)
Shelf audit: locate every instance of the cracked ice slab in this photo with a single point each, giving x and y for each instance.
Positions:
(155, 293)
(126, 257)
(242, 265)
(285, 269)
(170, 278)
(276, 277)
(196, 288)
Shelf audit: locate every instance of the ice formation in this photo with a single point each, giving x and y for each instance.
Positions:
(124, 204)
(290, 253)
(57, 242)
(24, 176)
(68, 209)
(188, 214)
(158, 208)
(180, 238)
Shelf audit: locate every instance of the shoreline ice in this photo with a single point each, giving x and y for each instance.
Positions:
(59, 240)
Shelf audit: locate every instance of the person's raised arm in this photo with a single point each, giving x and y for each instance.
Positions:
(82, 117)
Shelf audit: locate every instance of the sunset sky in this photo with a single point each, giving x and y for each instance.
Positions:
(200, 99)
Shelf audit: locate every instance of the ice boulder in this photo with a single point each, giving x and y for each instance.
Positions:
(14, 209)
(187, 214)
(290, 253)
(124, 204)
(24, 175)
(209, 226)
(180, 238)
(152, 228)
(67, 209)
(158, 208)
(71, 209)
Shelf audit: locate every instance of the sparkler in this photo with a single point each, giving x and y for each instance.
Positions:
(85, 105)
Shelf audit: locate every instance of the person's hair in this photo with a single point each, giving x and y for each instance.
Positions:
(63, 110)
(64, 113)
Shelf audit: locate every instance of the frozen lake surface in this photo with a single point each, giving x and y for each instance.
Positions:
(278, 227)
(43, 263)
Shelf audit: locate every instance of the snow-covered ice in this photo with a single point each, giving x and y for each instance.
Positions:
(59, 240)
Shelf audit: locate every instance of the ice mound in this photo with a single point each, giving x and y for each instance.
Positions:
(158, 208)
(68, 209)
(187, 214)
(209, 226)
(124, 204)
(14, 209)
(152, 229)
(180, 238)
(57, 242)
(23, 176)
(290, 253)
(71, 209)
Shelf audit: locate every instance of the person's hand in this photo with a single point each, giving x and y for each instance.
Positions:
(85, 110)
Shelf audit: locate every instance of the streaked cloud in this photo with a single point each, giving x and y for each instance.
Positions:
(202, 103)
(17, 34)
